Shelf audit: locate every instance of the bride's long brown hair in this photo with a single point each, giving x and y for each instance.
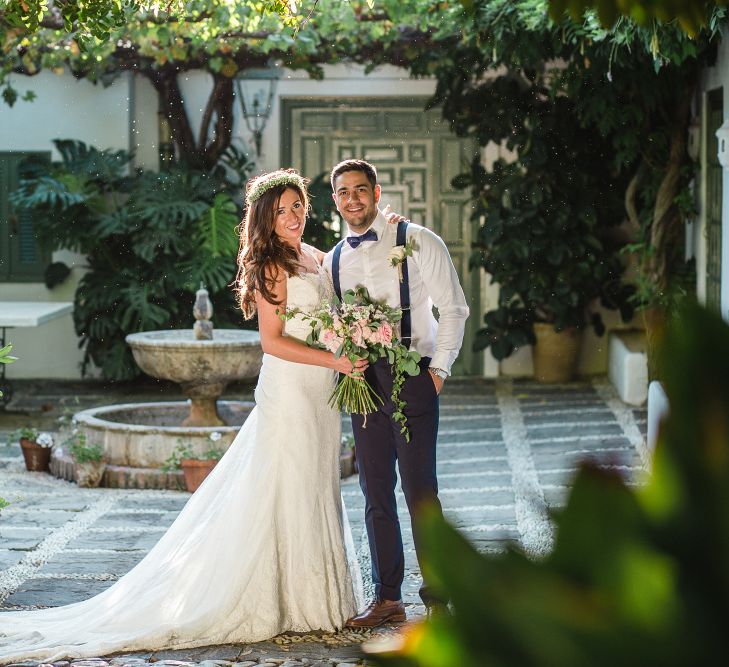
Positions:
(262, 253)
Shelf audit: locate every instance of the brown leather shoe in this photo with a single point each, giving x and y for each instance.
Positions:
(379, 612)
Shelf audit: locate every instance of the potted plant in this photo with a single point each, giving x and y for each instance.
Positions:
(195, 467)
(36, 448)
(88, 459)
(547, 237)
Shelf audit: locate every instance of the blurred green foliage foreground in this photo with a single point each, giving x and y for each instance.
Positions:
(638, 576)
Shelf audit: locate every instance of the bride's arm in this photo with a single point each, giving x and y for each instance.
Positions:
(274, 342)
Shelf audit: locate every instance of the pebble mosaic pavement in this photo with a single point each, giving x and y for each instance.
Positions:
(507, 450)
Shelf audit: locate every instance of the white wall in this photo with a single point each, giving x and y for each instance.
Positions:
(65, 108)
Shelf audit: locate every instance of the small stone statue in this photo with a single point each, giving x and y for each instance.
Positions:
(203, 311)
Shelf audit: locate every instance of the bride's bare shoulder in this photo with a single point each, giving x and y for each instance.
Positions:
(315, 251)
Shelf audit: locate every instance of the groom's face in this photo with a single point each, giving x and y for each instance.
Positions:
(356, 199)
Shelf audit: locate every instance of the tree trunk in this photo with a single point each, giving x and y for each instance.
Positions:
(220, 101)
(206, 152)
(666, 229)
(173, 106)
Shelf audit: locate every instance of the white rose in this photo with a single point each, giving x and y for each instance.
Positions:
(44, 440)
(215, 436)
(396, 254)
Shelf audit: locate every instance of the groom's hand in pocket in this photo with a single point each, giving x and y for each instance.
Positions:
(438, 382)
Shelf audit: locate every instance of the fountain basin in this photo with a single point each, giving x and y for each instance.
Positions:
(202, 368)
(137, 440)
(233, 354)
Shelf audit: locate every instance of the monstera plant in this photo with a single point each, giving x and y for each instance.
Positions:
(149, 238)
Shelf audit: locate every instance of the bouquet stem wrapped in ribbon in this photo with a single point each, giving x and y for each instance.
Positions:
(360, 328)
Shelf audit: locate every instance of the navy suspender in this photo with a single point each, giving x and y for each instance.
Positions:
(405, 323)
(335, 268)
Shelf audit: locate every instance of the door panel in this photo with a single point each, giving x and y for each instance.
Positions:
(416, 158)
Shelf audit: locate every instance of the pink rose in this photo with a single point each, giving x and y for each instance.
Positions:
(384, 333)
(370, 335)
(330, 340)
(357, 334)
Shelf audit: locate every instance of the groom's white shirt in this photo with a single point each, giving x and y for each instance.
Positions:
(433, 281)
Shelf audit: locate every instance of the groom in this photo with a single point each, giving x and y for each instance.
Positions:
(428, 278)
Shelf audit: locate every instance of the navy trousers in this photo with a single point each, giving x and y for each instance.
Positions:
(379, 447)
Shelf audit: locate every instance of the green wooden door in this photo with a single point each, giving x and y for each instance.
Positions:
(713, 201)
(416, 157)
(21, 259)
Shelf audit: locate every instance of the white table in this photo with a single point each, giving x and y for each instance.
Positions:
(26, 314)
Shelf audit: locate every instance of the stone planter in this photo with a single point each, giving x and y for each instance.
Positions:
(195, 471)
(89, 473)
(36, 457)
(555, 353)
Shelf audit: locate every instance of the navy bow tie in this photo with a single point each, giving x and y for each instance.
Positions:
(369, 235)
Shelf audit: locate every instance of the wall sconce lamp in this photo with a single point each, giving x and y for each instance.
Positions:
(256, 91)
(722, 134)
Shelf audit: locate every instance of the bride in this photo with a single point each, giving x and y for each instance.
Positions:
(262, 546)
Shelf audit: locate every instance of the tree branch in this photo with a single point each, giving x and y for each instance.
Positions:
(223, 99)
(173, 105)
(631, 207)
(245, 35)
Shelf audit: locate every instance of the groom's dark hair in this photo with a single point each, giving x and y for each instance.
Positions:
(355, 165)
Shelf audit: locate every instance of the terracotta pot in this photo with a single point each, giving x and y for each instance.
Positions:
(555, 353)
(36, 457)
(89, 473)
(195, 471)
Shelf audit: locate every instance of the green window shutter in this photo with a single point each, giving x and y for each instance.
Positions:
(21, 259)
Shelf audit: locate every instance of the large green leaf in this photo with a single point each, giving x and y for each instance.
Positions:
(217, 227)
(639, 575)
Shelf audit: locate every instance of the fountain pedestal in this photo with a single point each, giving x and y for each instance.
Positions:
(203, 404)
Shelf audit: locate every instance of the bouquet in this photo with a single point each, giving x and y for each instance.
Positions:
(358, 328)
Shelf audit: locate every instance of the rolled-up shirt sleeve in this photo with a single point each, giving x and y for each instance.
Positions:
(444, 288)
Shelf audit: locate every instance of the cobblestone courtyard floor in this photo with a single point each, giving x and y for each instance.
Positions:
(507, 450)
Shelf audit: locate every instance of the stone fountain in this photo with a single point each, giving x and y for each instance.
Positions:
(138, 438)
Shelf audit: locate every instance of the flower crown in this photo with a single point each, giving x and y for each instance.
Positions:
(272, 180)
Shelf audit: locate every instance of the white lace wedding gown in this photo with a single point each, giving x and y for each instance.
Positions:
(259, 548)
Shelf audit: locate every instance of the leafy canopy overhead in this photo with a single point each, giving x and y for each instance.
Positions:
(692, 15)
(99, 40)
(97, 18)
